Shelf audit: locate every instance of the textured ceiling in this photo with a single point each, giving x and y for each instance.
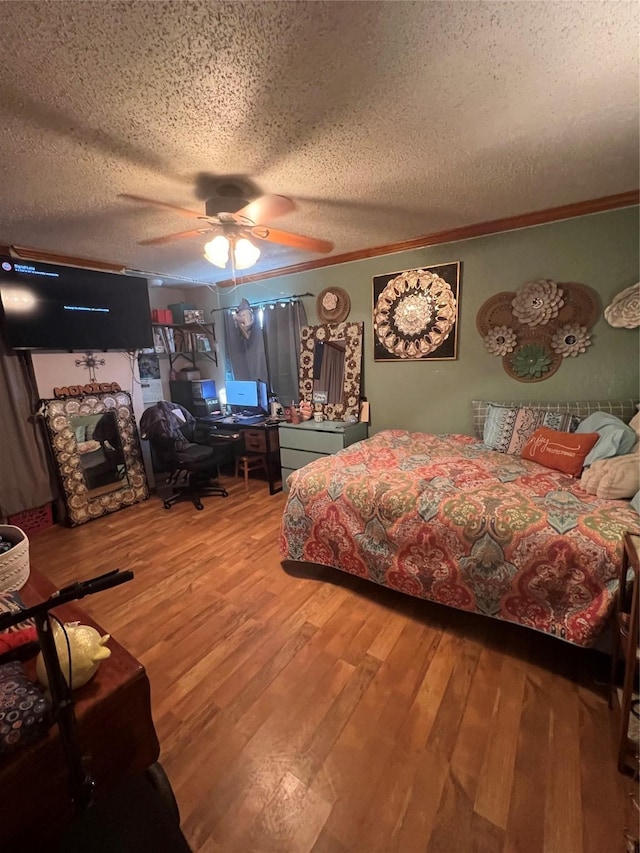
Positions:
(384, 121)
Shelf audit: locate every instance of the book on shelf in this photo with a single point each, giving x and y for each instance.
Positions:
(203, 344)
(158, 340)
(163, 340)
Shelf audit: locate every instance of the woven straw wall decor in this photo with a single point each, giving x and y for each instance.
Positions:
(535, 328)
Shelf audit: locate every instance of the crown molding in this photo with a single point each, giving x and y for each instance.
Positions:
(28, 254)
(466, 232)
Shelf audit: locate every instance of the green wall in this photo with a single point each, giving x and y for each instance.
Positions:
(599, 250)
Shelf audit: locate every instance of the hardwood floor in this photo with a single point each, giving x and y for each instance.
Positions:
(305, 710)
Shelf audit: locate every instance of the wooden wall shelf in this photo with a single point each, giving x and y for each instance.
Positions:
(180, 341)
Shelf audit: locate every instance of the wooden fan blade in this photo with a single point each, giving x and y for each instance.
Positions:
(156, 203)
(169, 238)
(296, 241)
(267, 207)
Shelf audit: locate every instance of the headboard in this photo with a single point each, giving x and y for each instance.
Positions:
(623, 409)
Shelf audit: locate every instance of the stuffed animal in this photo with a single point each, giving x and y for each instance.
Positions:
(87, 650)
(306, 410)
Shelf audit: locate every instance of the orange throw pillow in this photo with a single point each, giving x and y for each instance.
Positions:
(564, 451)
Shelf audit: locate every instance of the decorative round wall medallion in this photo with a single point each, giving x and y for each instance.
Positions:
(414, 314)
(333, 305)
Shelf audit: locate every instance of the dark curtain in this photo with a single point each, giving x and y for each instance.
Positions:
(25, 478)
(271, 353)
(281, 327)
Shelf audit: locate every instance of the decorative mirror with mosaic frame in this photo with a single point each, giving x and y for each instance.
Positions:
(331, 369)
(96, 449)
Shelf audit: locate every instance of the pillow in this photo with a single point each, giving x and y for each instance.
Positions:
(10, 602)
(24, 710)
(507, 429)
(614, 478)
(624, 409)
(615, 438)
(563, 451)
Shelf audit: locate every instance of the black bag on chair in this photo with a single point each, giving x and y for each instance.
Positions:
(191, 467)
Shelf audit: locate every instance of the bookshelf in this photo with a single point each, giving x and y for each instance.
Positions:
(188, 341)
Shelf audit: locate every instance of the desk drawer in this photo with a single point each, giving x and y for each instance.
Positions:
(255, 440)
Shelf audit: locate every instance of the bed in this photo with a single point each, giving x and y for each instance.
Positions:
(445, 518)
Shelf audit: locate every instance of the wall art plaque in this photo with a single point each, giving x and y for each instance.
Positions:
(415, 314)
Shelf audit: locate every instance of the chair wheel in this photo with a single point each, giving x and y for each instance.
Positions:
(199, 506)
(167, 505)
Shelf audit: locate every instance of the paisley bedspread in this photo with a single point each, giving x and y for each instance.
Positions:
(445, 519)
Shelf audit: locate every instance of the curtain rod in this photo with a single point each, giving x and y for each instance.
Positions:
(262, 302)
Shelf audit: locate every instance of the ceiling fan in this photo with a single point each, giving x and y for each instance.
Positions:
(232, 220)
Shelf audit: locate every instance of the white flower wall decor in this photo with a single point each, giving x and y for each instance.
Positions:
(500, 340)
(624, 311)
(571, 340)
(537, 302)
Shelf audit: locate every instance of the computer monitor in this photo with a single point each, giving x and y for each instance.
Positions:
(263, 396)
(242, 395)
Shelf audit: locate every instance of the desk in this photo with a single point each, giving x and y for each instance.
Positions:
(256, 439)
(116, 733)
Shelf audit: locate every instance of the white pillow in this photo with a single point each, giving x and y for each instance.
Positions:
(615, 478)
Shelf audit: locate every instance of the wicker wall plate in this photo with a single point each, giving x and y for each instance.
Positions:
(333, 305)
(496, 311)
(525, 340)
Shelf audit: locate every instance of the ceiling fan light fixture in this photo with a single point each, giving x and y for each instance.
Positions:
(246, 254)
(217, 251)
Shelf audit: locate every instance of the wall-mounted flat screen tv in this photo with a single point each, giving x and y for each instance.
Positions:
(64, 308)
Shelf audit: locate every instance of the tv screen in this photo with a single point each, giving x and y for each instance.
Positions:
(64, 308)
(242, 394)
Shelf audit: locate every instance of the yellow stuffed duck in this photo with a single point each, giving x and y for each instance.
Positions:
(88, 648)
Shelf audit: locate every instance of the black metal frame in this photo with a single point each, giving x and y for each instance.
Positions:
(81, 783)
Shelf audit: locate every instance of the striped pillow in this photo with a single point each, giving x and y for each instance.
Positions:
(508, 428)
(623, 409)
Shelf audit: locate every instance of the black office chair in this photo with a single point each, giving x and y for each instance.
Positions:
(190, 467)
